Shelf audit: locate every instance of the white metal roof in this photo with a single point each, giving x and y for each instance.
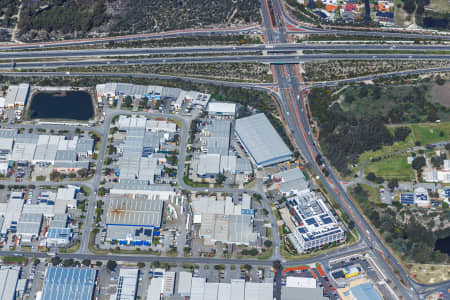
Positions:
(126, 288)
(301, 282)
(184, 283)
(222, 108)
(8, 282)
(261, 140)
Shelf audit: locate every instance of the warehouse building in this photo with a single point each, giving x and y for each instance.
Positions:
(17, 95)
(291, 181)
(58, 236)
(136, 188)
(9, 277)
(210, 165)
(223, 221)
(316, 225)
(127, 285)
(140, 160)
(261, 141)
(132, 221)
(221, 110)
(197, 288)
(11, 212)
(160, 125)
(29, 226)
(69, 283)
(215, 137)
(53, 149)
(184, 284)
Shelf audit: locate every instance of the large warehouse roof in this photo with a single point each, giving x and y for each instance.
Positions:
(8, 282)
(261, 140)
(142, 212)
(68, 283)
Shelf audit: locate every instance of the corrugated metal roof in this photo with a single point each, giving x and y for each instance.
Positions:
(211, 290)
(8, 282)
(127, 285)
(184, 283)
(197, 288)
(69, 283)
(140, 212)
(237, 289)
(261, 140)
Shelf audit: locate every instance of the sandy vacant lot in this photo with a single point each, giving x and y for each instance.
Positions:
(429, 273)
(441, 94)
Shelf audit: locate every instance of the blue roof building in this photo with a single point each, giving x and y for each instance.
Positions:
(69, 283)
(365, 291)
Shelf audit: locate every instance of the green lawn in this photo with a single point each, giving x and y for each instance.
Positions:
(394, 167)
(431, 132)
(425, 133)
(372, 194)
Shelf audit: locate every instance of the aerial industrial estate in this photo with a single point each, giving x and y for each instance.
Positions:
(275, 150)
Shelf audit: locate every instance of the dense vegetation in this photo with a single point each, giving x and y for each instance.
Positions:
(427, 18)
(354, 122)
(412, 233)
(69, 18)
(8, 10)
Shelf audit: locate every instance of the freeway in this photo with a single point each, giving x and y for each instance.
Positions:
(291, 101)
(273, 59)
(288, 47)
(134, 37)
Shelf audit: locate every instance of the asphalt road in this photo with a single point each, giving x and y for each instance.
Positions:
(289, 47)
(273, 59)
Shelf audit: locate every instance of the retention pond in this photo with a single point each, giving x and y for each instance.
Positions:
(72, 105)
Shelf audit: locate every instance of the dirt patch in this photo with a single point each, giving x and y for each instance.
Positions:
(441, 94)
(429, 274)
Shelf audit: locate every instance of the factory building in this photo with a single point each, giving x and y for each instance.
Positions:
(291, 181)
(210, 165)
(316, 225)
(215, 137)
(261, 141)
(140, 159)
(113, 90)
(127, 285)
(136, 188)
(69, 283)
(53, 149)
(221, 110)
(133, 221)
(9, 278)
(224, 221)
(11, 212)
(197, 288)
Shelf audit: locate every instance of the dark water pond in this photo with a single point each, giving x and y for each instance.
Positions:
(74, 105)
(443, 245)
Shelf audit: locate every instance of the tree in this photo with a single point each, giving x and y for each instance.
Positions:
(276, 264)
(418, 163)
(392, 184)
(247, 267)
(55, 260)
(267, 243)
(220, 178)
(36, 261)
(440, 80)
(351, 225)
(86, 262)
(111, 265)
(401, 133)
(371, 177)
(141, 265)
